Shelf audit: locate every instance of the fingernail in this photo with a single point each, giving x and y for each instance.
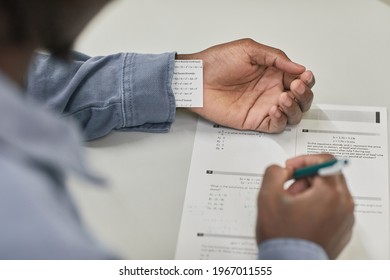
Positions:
(310, 79)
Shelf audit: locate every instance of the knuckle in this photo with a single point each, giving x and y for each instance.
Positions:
(279, 52)
(247, 41)
(271, 169)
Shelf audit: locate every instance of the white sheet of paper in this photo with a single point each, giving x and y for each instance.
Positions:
(219, 214)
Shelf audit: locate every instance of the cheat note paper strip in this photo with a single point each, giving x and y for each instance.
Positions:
(219, 214)
(187, 83)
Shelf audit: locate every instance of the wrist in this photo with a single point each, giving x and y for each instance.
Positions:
(184, 56)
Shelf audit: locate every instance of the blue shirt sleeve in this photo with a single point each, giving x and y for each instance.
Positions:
(125, 91)
(290, 249)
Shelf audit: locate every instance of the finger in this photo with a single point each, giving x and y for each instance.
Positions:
(268, 56)
(288, 79)
(302, 94)
(274, 180)
(334, 188)
(269, 195)
(276, 121)
(337, 181)
(306, 160)
(290, 108)
(298, 187)
(307, 77)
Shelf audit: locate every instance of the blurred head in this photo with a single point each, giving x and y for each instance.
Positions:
(48, 24)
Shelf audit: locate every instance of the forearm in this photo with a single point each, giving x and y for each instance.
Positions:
(123, 91)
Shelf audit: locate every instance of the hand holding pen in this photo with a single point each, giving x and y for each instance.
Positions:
(326, 168)
(309, 166)
(314, 208)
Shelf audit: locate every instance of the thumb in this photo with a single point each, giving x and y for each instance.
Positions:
(274, 179)
(268, 56)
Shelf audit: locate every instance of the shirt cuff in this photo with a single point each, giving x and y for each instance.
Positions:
(290, 249)
(148, 100)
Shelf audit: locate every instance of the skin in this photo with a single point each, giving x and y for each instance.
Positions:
(247, 85)
(251, 86)
(319, 209)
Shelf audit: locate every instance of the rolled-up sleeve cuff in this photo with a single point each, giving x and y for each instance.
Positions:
(290, 249)
(148, 100)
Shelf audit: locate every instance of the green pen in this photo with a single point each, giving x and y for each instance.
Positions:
(330, 167)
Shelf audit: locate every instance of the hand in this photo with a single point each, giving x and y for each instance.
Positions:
(319, 209)
(251, 86)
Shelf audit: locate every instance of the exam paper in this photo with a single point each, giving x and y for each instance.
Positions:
(219, 214)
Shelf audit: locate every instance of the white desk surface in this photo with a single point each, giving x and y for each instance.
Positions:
(345, 43)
